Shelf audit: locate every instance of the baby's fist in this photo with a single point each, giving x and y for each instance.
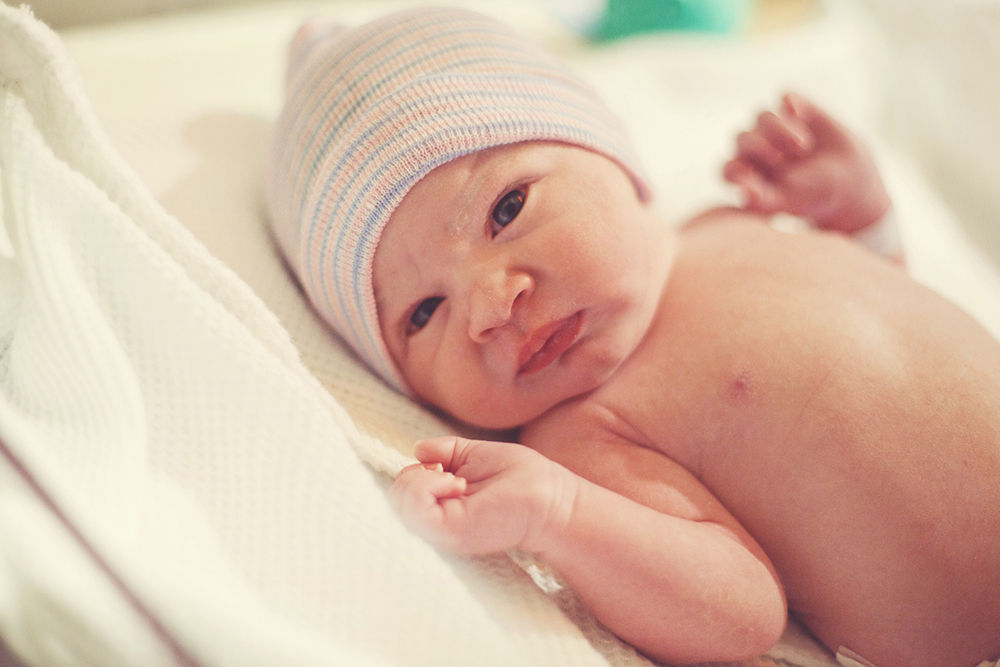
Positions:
(473, 497)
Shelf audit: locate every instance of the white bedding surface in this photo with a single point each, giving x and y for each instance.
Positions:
(188, 98)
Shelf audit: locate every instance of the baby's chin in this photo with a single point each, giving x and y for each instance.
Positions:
(496, 420)
(522, 410)
(500, 415)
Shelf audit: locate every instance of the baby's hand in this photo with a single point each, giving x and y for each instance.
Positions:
(474, 497)
(801, 161)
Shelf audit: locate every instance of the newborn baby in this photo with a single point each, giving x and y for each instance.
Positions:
(716, 422)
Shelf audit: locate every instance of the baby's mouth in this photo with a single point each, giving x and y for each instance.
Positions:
(548, 343)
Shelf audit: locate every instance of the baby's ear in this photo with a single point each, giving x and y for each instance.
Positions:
(312, 32)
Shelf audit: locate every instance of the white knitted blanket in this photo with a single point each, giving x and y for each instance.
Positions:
(175, 486)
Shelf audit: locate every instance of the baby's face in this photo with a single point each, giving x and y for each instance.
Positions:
(512, 279)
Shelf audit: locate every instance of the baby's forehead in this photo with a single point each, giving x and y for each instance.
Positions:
(452, 182)
(450, 192)
(453, 192)
(440, 207)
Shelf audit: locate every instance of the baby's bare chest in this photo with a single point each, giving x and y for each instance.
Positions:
(770, 389)
(848, 420)
(734, 386)
(843, 435)
(796, 356)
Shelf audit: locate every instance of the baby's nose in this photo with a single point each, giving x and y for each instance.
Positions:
(494, 301)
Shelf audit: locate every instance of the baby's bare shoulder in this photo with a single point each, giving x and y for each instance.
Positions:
(589, 438)
(588, 434)
(575, 421)
(723, 214)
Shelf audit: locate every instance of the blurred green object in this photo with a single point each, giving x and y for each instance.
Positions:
(622, 18)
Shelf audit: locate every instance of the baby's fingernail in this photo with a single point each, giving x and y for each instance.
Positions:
(437, 467)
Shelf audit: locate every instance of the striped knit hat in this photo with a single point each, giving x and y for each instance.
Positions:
(371, 110)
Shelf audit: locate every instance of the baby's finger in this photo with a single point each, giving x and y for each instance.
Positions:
(788, 135)
(738, 172)
(427, 502)
(820, 124)
(441, 450)
(419, 487)
(758, 192)
(452, 452)
(419, 466)
(753, 147)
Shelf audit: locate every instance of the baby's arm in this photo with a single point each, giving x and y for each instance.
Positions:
(801, 161)
(682, 585)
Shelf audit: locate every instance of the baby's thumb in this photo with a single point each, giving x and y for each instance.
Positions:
(446, 450)
(819, 122)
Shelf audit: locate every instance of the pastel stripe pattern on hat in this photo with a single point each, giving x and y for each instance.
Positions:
(371, 110)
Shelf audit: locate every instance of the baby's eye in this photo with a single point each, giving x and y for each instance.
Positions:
(507, 209)
(422, 314)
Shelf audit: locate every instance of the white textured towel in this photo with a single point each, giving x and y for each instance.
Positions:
(175, 486)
